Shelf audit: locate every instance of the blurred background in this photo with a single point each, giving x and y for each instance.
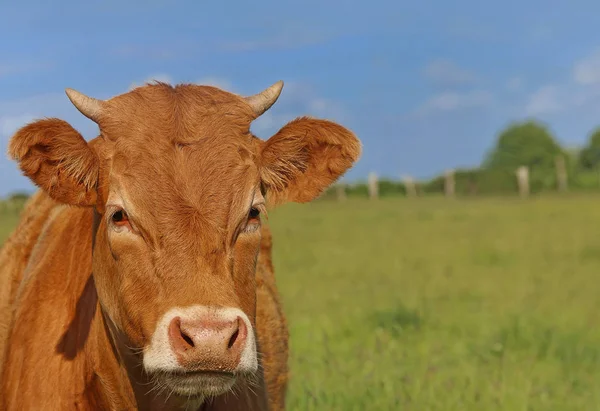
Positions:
(456, 265)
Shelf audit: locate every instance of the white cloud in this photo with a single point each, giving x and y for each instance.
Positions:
(587, 71)
(545, 100)
(581, 89)
(298, 99)
(451, 101)
(447, 73)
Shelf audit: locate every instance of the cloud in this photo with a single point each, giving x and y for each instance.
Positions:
(580, 89)
(298, 99)
(544, 101)
(451, 101)
(587, 71)
(447, 73)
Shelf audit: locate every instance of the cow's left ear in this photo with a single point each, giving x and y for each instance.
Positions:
(305, 157)
(58, 160)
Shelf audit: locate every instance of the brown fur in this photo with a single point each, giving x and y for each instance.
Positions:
(16, 254)
(186, 166)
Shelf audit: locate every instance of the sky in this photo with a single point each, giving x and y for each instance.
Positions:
(426, 85)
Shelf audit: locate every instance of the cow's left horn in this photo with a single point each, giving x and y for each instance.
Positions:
(262, 101)
(88, 106)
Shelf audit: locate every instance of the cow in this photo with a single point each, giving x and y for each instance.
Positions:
(140, 275)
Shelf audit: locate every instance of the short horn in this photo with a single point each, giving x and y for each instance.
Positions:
(262, 101)
(88, 106)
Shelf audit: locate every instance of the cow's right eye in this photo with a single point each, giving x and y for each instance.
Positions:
(120, 219)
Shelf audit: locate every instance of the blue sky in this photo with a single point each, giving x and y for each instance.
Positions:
(426, 85)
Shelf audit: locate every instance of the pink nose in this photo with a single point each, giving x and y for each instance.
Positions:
(208, 343)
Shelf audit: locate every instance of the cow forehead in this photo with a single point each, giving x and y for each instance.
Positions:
(170, 186)
(175, 114)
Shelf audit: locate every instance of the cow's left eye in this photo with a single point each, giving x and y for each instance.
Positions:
(254, 213)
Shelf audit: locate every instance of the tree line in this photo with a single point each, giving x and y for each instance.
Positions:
(527, 143)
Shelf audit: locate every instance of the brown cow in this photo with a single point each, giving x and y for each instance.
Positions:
(156, 291)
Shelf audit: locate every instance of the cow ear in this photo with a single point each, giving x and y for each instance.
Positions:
(58, 160)
(305, 157)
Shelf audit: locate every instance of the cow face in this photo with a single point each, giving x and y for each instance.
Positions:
(180, 186)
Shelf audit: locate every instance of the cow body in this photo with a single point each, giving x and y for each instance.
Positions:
(140, 276)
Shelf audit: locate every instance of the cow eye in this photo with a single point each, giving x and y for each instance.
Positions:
(119, 218)
(254, 213)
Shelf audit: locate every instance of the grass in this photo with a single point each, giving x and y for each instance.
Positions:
(430, 304)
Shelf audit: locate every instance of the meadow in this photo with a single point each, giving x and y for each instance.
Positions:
(436, 304)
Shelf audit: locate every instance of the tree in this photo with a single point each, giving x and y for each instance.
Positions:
(589, 156)
(524, 144)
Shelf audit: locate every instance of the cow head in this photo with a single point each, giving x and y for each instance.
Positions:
(179, 186)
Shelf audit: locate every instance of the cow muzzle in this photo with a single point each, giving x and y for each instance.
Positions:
(201, 350)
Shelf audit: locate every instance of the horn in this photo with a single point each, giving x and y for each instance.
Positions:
(88, 106)
(262, 101)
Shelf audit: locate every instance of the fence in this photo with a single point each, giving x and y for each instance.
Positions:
(522, 181)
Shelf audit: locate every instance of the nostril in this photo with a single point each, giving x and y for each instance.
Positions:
(179, 336)
(239, 335)
(233, 338)
(186, 338)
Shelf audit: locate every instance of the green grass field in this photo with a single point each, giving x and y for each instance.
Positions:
(434, 304)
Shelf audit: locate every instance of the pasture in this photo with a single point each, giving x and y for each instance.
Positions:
(432, 304)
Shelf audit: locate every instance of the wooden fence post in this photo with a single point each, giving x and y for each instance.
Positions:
(449, 183)
(561, 173)
(373, 186)
(523, 181)
(409, 184)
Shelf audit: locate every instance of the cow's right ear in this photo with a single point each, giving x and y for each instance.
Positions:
(58, 160)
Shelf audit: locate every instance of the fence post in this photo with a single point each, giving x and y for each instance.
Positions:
(523, 181)
(561, 173)
(449, 184)
(341, 192)
(409, 184)
(373, 186)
